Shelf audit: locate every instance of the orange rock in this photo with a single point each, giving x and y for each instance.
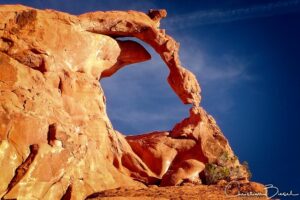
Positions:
(187, 170)
(56, 140)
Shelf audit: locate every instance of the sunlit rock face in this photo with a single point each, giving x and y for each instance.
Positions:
(56, 140)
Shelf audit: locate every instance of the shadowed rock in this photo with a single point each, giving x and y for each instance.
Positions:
(131, 52)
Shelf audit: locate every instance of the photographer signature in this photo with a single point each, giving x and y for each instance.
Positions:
(270, 191)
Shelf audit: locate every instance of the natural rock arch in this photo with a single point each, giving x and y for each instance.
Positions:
(146, 28)
(54, 130)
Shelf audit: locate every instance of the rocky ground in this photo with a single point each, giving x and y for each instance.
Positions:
(185, 192)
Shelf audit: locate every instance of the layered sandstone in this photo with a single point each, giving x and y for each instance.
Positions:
(56, 140)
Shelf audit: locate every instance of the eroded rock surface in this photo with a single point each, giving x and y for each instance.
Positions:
(56, 140)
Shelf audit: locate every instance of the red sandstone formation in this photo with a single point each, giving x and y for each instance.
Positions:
(56, 140)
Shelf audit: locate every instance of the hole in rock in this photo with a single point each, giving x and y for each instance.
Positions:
(51, 134)
(139, 98)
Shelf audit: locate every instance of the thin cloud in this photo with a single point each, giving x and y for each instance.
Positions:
(227, 68)
(211, 68)
(222, 16)
(218, 74)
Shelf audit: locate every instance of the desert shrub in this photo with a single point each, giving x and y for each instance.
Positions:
(226, 168)
(214, 173)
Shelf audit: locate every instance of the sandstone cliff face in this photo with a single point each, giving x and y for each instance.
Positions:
(56, 140)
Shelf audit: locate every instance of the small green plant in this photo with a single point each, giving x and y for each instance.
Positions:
(214, 173)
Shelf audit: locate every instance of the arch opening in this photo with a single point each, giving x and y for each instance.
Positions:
(139, 99)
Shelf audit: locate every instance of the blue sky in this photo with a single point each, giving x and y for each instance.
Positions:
(245, 55)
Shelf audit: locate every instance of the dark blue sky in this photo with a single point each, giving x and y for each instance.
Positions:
(246, 57)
